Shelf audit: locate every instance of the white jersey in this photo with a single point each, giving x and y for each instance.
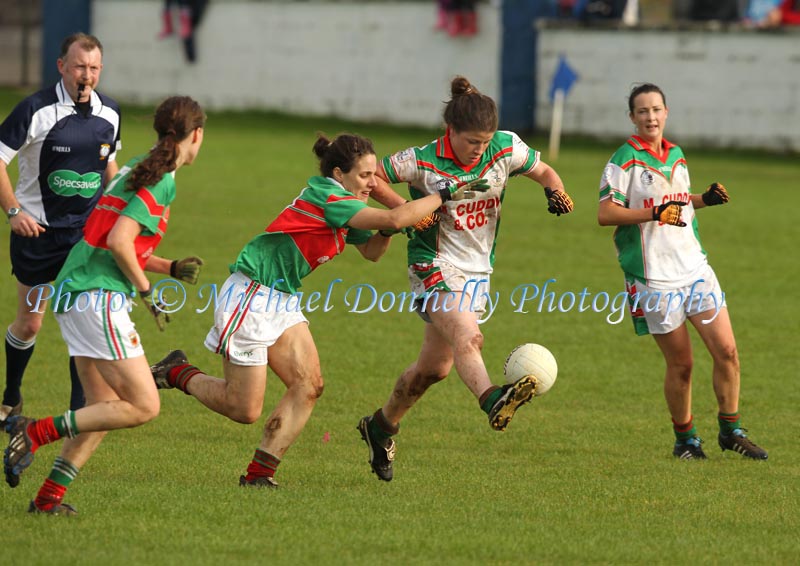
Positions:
(660, 255)
(467, 232)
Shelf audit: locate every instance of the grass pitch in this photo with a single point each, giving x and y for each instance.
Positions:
(582, 475)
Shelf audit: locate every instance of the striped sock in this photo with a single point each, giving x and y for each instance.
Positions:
(728, 422)
(179, 376)
(380, 429)
(18, 354)
(42, 432)
(263, 464)
(65, 424)
(55, 486)
(489, 398)
(684, 432)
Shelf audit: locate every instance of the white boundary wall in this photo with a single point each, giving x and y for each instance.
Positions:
(731, 89)
(371, 62)
(384, 62)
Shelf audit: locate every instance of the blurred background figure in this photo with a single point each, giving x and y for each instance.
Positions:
(190, 13)
(762, 13)
(718, 10)
(787, 14)
(457, 17)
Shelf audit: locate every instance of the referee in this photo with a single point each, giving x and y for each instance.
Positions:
(66, 138)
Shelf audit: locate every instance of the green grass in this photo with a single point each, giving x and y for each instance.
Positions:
(583, 475)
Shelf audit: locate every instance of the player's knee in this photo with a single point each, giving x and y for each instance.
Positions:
(147, 411)
(246, 414)
(728, 355)
(681, 370)
(26, 329)
(313, 388)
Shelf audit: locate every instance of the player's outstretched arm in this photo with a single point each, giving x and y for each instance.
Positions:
(558, 201)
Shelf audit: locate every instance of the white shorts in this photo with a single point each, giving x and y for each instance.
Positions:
(250, 320)
(102, 329)
(441, 275)
(664, 310)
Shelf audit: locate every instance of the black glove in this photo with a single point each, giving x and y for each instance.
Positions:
(186, 269)
(715, 194)
(669, 213)
(464, 190)
(156, 308)
(558, 202)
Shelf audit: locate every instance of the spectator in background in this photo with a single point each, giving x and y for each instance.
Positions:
(190, 13)
(788, 14)
(762, 13)
(717, 10)
(457, 17)
(594, 10)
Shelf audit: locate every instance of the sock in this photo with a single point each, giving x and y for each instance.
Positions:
(76, 397)
(179, 376)
(55, 486)
(380, 429)
(18, 354)
(263, 464)
(490, 397)
(728, 422)
(684, 432)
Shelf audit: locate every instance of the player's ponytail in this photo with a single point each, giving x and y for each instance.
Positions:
(175, 119)
(468, 109)
(342, 152)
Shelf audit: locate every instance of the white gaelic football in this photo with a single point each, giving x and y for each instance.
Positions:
(533, 360)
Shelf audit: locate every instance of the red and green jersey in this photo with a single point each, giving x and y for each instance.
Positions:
(661, 255)
(306, 234)
(90, 264)
(468, 229)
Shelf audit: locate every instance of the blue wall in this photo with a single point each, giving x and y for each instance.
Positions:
(518, 65)
(60, 19)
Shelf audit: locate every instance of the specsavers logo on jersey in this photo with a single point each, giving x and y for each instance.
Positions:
(69, 183)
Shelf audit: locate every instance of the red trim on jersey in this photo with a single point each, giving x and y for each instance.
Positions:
(450, 154)
(433, 279)
(495, 158)
(429, 165)
(150, 202)
(631, 162)
(639, 144)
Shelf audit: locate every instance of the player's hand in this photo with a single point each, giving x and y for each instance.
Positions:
(186, 269)
(715, 194)
(426, 222)
(156, 308)
(558, 202)
(464, 190)
(669, 213)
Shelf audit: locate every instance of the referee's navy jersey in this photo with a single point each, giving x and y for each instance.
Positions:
(62, 154)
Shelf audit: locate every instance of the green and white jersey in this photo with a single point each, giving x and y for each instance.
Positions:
(90, 264)
(307, 233)
(468, 229)
(661, 255)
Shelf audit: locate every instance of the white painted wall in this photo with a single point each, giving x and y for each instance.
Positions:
(734, 89)
(374, 61)
(384, 62)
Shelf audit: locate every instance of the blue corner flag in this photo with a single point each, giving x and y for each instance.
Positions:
(563, 79)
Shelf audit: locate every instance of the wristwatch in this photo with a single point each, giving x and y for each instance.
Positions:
(13, 211)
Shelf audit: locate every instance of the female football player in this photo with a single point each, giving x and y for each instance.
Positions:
(451, 263)
(645, 192)
(101, 273)
(262, 325)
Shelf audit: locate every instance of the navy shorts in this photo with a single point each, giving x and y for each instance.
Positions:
(35, 261)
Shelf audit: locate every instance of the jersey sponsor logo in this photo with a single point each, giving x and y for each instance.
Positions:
(243, 354)
(61, 148)
(403, 156)
(69, 183)
(472, 214)
(105, 151)
(647, 177)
